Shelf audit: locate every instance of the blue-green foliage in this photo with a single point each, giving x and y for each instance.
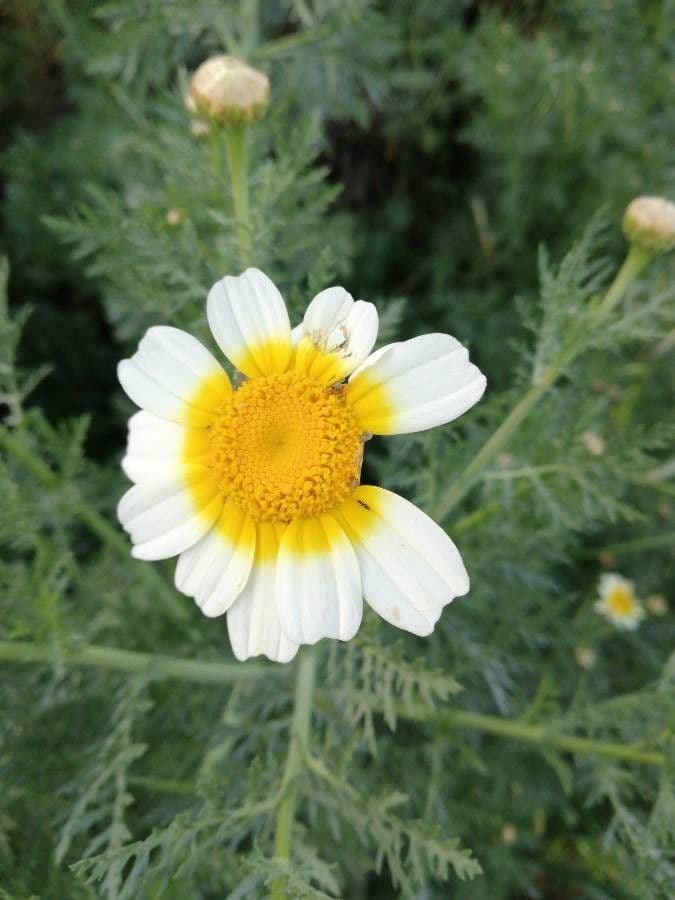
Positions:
(443, 160)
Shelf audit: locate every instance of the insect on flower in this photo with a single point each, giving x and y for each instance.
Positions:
(617, 601)
(256, 487)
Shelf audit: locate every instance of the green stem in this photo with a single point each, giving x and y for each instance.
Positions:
(134, 662)
(163, 785)
(237, 161)
(634, 263)
(447, 720)
(476, 517)
(638, 258)
(94, 521)
(495, 442)
(531, 471)
(291, 42)
(205, 672)
(300, 726)
(30, 462)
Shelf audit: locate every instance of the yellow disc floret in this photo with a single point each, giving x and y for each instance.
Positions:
(621, 601)
(285, 447)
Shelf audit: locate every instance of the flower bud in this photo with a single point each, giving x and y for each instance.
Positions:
(225, 89)
(649, 222)
(199, 128)
(593, 443)
(657, 604)
(585, 656)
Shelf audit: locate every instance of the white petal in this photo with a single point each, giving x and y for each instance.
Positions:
(609, 581)
(164, 518)
(360, 328)
(215, 570)
(326, 311)
(167, 374)
(338, 335)
(155, 448)
(318, 589)
(409, 566)
(415, 385)
(249, 320)
(297, 334)
(252, 621)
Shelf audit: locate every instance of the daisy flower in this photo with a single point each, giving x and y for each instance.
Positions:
(617, 601)
(255, 485)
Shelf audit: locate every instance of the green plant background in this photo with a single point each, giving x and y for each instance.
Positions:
(423, 154)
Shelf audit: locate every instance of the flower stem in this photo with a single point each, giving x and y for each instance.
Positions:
(205, 672)
(237, 161)
(638, 258)
(94, 521)
(290, 42)
(162, 785)
(133, 662)
(300, 725)
(634, 263)
(448, 720)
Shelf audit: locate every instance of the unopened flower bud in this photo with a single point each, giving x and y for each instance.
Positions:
(606, 558)
(649, 222)
(225, 89)
(199, 128)
(593, 443)
(657, 604)
(585, 656)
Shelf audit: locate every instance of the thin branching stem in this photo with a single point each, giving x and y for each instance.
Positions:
(171, 786)
(132, 661)
(221, 673)
(289, 43)
(476, 517)
(634, 263)
(448, 720)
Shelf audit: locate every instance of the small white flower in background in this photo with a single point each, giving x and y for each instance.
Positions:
(585, 656)
(256, 488)
(617, 601)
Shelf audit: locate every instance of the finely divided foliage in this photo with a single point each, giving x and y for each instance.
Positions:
(440, 162)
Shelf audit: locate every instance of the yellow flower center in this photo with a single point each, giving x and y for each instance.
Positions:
(285, 447)
(620, 601)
